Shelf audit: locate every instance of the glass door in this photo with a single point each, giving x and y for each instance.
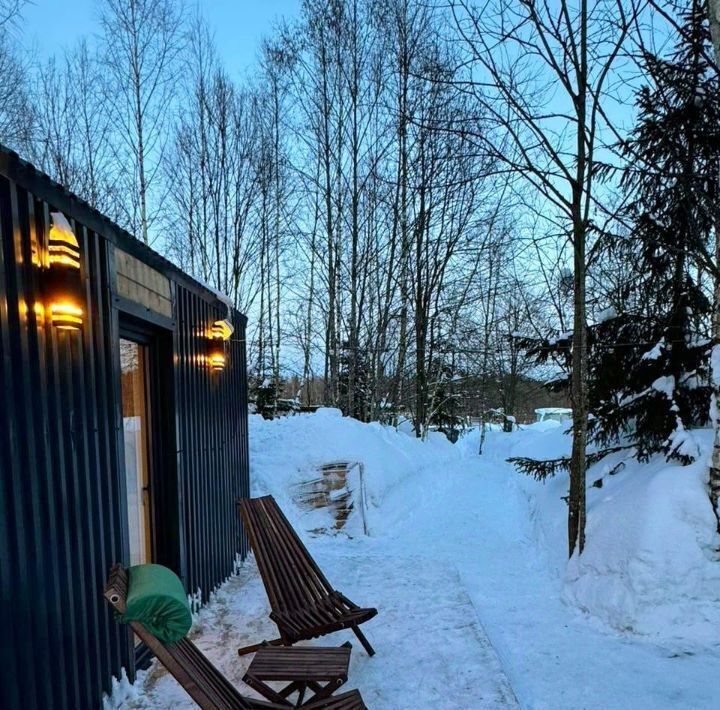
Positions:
(136, 431)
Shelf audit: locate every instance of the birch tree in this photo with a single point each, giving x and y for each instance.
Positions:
(142, 40)
(211, 172)
(541, 71)
(16, 116)
(73, 136)
(713, 8)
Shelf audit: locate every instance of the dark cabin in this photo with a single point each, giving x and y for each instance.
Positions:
(123, 437)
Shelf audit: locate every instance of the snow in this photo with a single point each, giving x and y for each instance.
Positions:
(665, 385)
(562, 337)
(651, 565)
(219, 294)
(683, 441)
(715, 365)
(287, 451)
(606, 314)
(655, 352)
(478, 606)
(700, 96)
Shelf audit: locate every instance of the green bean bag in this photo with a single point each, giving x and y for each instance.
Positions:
(157, 600)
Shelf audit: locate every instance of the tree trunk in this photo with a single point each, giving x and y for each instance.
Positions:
(142, 183)
(714, 478)
(579, 387)
(576, 498)
(397, 387)
(277, 236)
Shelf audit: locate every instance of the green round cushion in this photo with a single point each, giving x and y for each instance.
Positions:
(157, 600)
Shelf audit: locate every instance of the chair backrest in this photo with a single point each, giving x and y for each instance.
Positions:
(203, 682)
(291, 577)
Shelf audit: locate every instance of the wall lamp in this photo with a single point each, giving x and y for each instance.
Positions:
(220, 332)
(62, 282)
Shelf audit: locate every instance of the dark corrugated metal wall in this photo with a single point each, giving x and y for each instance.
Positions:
(210, 451)
(61, 495)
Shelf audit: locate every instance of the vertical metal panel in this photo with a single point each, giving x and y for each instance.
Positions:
(12, 654)
(212, 445)
(61, 492)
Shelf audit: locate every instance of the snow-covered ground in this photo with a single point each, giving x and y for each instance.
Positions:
(477, 606)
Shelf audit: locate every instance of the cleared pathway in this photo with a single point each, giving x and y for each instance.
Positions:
(431, 650)
(473, 516)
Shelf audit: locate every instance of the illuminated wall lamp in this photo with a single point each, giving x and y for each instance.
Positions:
(217, 360)
(63, 285)
(220, 332)
(222, 329)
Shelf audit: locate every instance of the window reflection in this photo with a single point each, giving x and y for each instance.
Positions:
(133, 366)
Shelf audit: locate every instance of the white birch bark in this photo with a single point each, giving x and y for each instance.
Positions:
(714, 16)
(714, 478)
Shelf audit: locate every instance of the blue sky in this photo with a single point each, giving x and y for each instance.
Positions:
(239, 25)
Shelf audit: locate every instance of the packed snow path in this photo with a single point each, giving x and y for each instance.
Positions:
(554, 657)
(469, 615)
(431, 651)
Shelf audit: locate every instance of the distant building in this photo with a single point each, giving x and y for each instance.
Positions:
(556, 414)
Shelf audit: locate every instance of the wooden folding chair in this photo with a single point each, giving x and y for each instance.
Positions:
(304, 604)
(203, 682)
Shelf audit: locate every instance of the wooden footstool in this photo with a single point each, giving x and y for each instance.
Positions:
(305, 667)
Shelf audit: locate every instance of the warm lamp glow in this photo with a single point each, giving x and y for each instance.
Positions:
(217, 360)
(63, 247)
(222, 330)
(63, 286)
(39, 310)
(66, 316)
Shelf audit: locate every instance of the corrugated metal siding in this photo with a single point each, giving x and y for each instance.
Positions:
(61, 493)
(212, 447)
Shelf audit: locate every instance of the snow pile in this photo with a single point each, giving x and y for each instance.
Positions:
(527, 440)
(123, 691)
(650, 564)
(287, 451)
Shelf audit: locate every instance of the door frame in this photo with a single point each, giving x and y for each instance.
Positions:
(148, 490)
(163, 480)
(165, 494)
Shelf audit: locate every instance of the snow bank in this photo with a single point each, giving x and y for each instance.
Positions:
(650, 564)
(287, 451)
(527, 440)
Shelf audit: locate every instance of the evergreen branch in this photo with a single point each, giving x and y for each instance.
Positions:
(541, 470)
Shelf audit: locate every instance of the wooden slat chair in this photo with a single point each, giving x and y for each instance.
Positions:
(304, 604)
(204, 683)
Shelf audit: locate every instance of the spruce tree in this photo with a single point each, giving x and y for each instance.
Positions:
(648, 360)
(650, 366)
(362, 375)
(446, 402)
